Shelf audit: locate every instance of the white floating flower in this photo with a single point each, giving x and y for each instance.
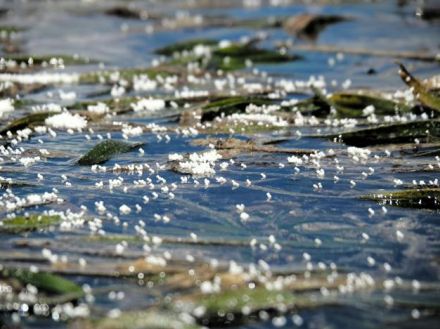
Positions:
(99, 108)
(124, 209)
(6, 105)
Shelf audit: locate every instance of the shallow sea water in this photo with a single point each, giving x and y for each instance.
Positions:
(296, 215)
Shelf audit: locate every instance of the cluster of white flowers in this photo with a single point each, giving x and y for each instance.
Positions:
(358, 154)
(99, 108)
(143, 83)
(259, 119)
(129, 131)
(155, 128)
(370, 109)
(254, 87)
(297, 85)
(148, 104)
(202, 50)
(6, 85)
(186, 93)
(265, 109)
(201, 164)
(297, 161)
(344, 122)
(301, 120)
(66, 95)
(50, 107)
(66, 120)
(29, 200)
(117, 91)
(28, 161)
(175, 157)
(405, 95)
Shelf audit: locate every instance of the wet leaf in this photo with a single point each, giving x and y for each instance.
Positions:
(349, 104)
(352, 104)
(314, 105)
(230, 105)
(185, 46)
(47, 59)
(112, 76)
(189, 118)
(334, 49)
(118, 105)
(29, 223)
(7, 30)
(420, 91)
(125, 12)
(234, 57)
(6, 183)
(25, 63)
(247, 146)
(231, 301)
(393, 133)
(421, 198)
(150, 319)
(46, 282)
(309, 25)
(28, 121)
(429, 11)
(264, 23)
(432, 152)
(104, 151)
(244, 128)
(15, 89)
(171, 240)
(241, 303)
